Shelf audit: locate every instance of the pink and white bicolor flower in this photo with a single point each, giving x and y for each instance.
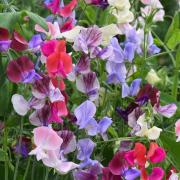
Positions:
(177, 129)
(48, 145)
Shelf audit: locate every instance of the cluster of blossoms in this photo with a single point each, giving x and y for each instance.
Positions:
(52, 67)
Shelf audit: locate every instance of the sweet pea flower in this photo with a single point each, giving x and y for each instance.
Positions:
(44, 87)
(85, 119)
(139, 154)
(59, 63)
(22, 70)
(45, 139)
(177, 130)
(131, 174)
(88, 40)
(58, 7)
(35, 42)
(152, 133)
(120, 9)
(22, 106)
(152, 77)
(157, 173)
(100, 3)
(4, 40)
(18, 42)
(88, 84)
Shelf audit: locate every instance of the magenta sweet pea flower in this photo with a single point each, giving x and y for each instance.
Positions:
(22, 70)
(156, 174)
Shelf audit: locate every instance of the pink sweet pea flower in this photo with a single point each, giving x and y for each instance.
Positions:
(45, 139)
(53, 160)
(177, 129)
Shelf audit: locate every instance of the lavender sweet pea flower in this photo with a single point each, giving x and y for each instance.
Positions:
(4, 45)
(35, 41)
(83, 175)
(88, 84)
(116, 72)
(167, 110)
(103, 125)
(88, 39)
(132, 44)
(152, 48)
(131, 174)
(84, 113)
(118, 54)
(85, 148)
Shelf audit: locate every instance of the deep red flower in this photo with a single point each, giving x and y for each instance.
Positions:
(4, 34)
(107, 175)
(17, 70)
(118, 164)
(18, 42)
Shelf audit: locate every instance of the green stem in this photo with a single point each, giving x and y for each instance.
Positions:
(5, 149)
(47, 174)
(27, 169)
(166, 48)
(19, 146)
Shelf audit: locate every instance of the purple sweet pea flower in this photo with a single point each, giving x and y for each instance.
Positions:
(88, 84)
(83, 65)
(69, 141)
(22, 70)
(35, 41)
(88, 39)
(131, 174)
(84, 175)
(85, 149)
(152, 48)
(92, 127)
(4, 45)
(100, 3)
(41, 116)
(43, 88)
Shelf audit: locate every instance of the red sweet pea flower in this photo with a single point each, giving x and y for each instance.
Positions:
(67, 9)
(4, 34)
(58, 7)
(18, 42)
(59, 63)
(155, 154)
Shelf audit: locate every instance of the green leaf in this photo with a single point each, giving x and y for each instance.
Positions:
(3, 155)
(174, 25)
(9, 20)
(172, 147)
(37, 19)
(174, 40)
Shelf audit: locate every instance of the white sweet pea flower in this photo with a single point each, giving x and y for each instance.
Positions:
(152, 133)
(152, 77)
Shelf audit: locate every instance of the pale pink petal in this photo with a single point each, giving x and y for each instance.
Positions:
(65, 167)
(46, 138)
